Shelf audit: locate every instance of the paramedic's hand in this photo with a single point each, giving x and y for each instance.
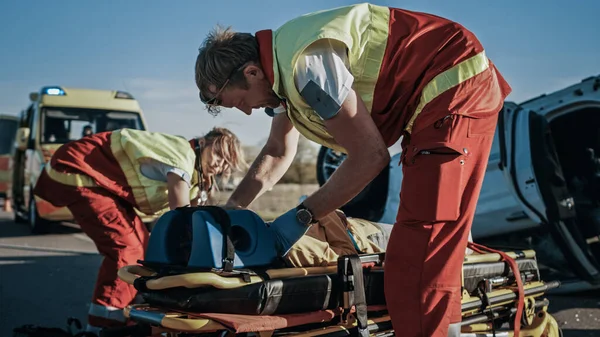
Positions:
(288, 230)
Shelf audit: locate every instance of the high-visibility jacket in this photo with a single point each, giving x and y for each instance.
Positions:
(401, 62)
(112, 160)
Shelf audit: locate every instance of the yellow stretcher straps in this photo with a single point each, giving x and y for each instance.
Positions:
(494, 257)
(129, 274)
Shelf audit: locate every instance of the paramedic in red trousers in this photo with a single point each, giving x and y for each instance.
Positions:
(101, 178)
(356, 79)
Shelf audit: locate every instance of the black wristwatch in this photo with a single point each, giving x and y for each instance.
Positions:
(304, 215)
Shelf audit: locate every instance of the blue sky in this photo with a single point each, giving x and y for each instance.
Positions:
(149, 47)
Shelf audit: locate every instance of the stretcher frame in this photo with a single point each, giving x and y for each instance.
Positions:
(155, 321)
(223, 280)
(479, 318)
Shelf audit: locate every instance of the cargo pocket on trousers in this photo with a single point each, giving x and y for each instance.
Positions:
(433, 184)
(482, 126)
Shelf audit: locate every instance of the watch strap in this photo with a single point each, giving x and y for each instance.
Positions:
(312, 216)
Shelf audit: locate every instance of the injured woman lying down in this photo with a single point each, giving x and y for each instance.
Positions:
(336, 235)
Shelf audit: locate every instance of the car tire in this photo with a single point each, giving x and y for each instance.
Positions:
(328, 161)
(37, 224)
(369, 203)
(18, 218)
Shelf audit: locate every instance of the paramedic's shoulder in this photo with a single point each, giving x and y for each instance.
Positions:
(323, 78)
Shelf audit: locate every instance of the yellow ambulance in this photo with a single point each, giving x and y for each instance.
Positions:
(55, 116)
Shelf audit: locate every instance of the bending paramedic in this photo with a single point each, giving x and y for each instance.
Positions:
(103, 179)
(356, 79)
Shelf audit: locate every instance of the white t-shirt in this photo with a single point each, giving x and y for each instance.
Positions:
(322, 77)
(156, 170)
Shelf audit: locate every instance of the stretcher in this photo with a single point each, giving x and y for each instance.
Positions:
(502, 293)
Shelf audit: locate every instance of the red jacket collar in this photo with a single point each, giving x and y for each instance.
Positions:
(265, 49)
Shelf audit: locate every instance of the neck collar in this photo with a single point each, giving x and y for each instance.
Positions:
(264, 38)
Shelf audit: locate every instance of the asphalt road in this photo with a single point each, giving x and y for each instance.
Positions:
(46, 278)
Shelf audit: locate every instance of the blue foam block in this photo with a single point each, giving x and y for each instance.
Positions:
(171, 241)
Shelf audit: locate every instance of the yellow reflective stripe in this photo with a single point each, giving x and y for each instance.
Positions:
(70, 179)
(448, 79)
(131, 173)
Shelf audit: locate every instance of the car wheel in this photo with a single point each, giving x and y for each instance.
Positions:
(36, 224)
(328, 161)
(369, 203)
(18, 218)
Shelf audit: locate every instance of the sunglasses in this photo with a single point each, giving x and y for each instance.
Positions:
(213, 103)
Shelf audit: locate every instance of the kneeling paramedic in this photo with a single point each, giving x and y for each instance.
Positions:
(356, 79)
(103, 178)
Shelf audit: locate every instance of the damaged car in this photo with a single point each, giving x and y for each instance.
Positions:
(541, 190)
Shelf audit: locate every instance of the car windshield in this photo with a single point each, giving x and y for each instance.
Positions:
(62, 125)
(8, 131)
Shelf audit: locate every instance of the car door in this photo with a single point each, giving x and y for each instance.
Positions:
(530, 165)
(498, 212)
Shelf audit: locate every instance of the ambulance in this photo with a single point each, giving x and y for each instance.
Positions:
(55, 116)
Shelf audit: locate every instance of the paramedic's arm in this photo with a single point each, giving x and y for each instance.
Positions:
(179, 191)
(353, 129)
(272, 162)
(326, 84)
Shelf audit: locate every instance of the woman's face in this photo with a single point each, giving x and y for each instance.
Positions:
(212, 162)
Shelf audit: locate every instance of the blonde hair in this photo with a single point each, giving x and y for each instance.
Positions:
(226, 144)
(220, 57)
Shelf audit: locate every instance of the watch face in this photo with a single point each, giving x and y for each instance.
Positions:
(304, 216)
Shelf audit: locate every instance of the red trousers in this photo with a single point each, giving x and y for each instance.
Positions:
(121, 238)
(443, 169)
